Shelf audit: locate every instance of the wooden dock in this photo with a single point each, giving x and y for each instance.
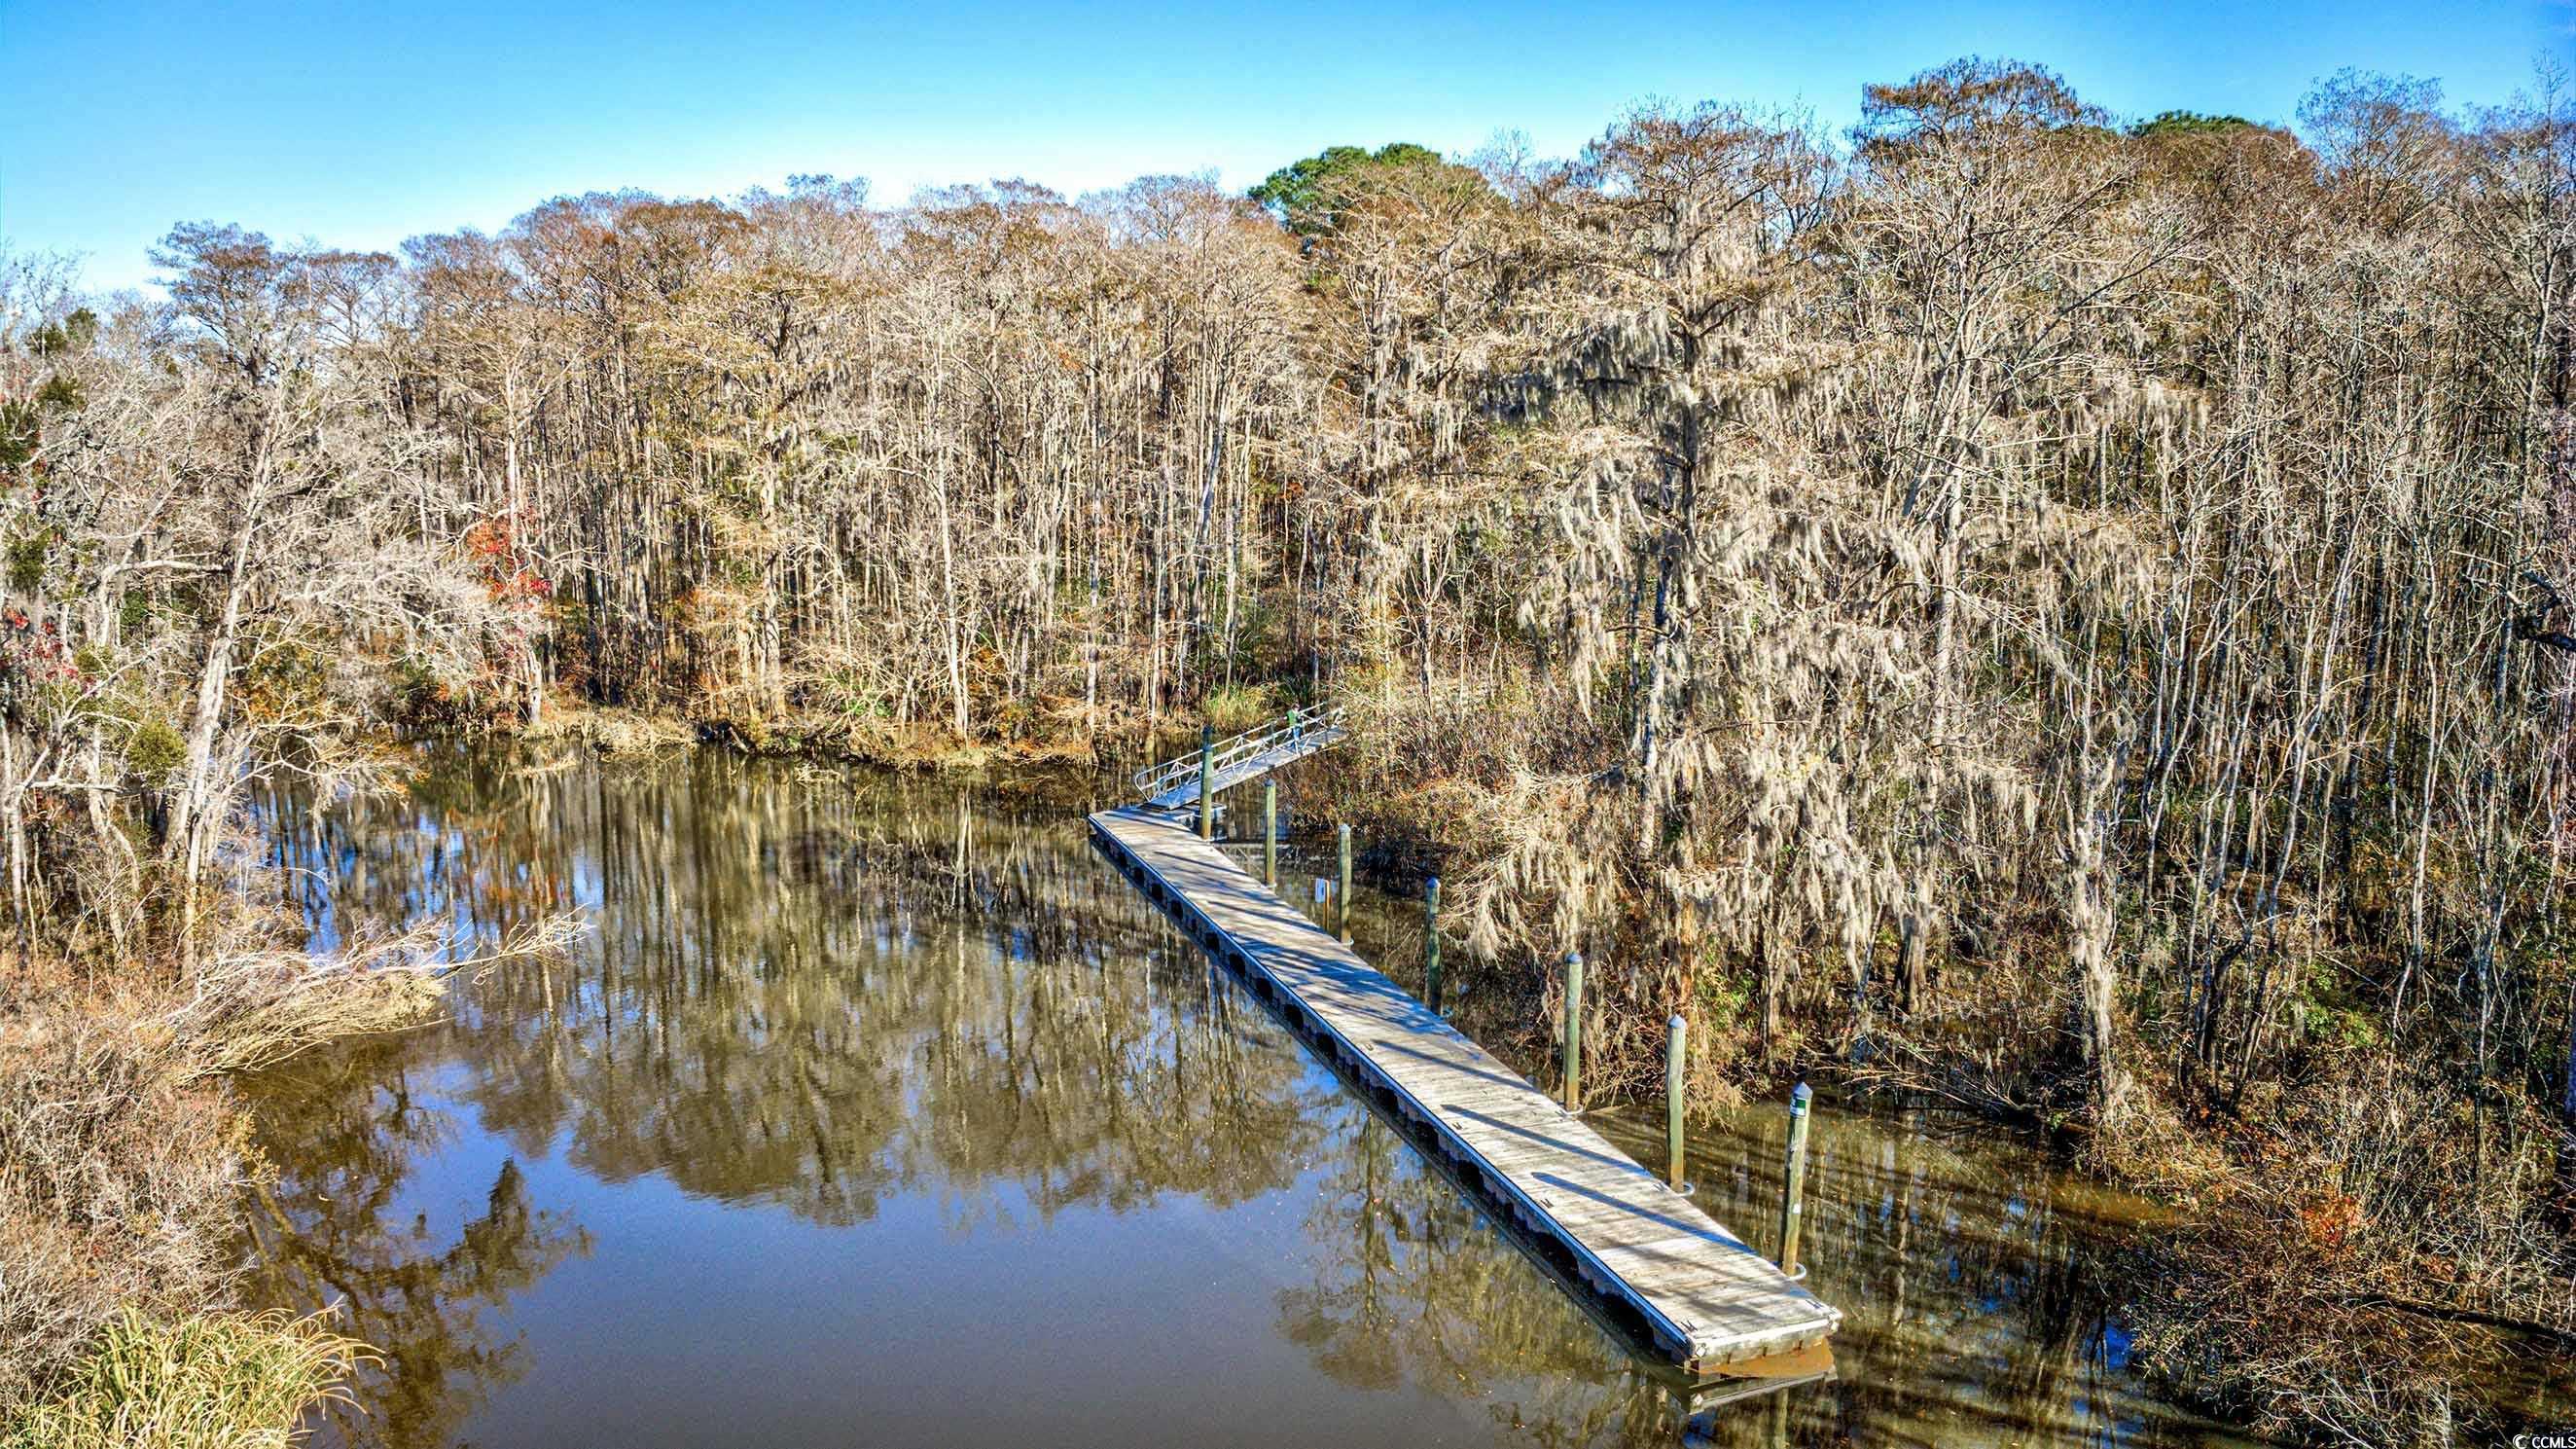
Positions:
(1697, 1291)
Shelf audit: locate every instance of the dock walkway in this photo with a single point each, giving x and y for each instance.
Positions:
(1246, 757)
(1705, 1298)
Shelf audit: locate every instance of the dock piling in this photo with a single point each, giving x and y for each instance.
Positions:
(1676, 1094)
(1207, 778)
(1793, 1194)
(1343, 892)
(1431, 945)
(1270, 833)
(1573, 1031)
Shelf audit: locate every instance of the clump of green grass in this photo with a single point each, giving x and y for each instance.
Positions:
(1242, 707)
(207, 1381)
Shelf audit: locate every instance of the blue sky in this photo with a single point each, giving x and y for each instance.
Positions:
(358, 125)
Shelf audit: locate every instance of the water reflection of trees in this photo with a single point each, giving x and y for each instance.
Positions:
(1980, 1284)
(326, 1233)
(818, 991)
(814, 996)
(1411, 1285)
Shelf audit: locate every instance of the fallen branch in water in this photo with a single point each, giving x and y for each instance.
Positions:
(257, 1008)
(2545, 1332)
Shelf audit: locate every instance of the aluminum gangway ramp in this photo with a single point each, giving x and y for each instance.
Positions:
(1705, 1298)
(1247, 756)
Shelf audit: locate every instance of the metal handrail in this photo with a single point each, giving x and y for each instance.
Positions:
(1154, 779)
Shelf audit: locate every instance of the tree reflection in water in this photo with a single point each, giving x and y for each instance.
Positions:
(844, 997)
(324, 1234)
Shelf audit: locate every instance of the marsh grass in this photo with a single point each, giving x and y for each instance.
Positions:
(118, 1173)
(213, 1381)
(1240, 707)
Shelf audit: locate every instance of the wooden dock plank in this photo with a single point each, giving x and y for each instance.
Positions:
(1701, 1289)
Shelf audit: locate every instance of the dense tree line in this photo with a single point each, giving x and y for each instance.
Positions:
(2062, 615)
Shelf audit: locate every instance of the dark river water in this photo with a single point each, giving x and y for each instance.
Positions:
(880, 1111)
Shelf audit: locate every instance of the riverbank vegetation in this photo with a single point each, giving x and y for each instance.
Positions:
(2062, 615)
(123, 1164)
(193, 1382)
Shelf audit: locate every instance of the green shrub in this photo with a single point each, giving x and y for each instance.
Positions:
(27, 564)
(61, 391)
(155, 749)
(21, 428)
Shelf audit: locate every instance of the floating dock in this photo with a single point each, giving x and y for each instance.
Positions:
(1704, 1298)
